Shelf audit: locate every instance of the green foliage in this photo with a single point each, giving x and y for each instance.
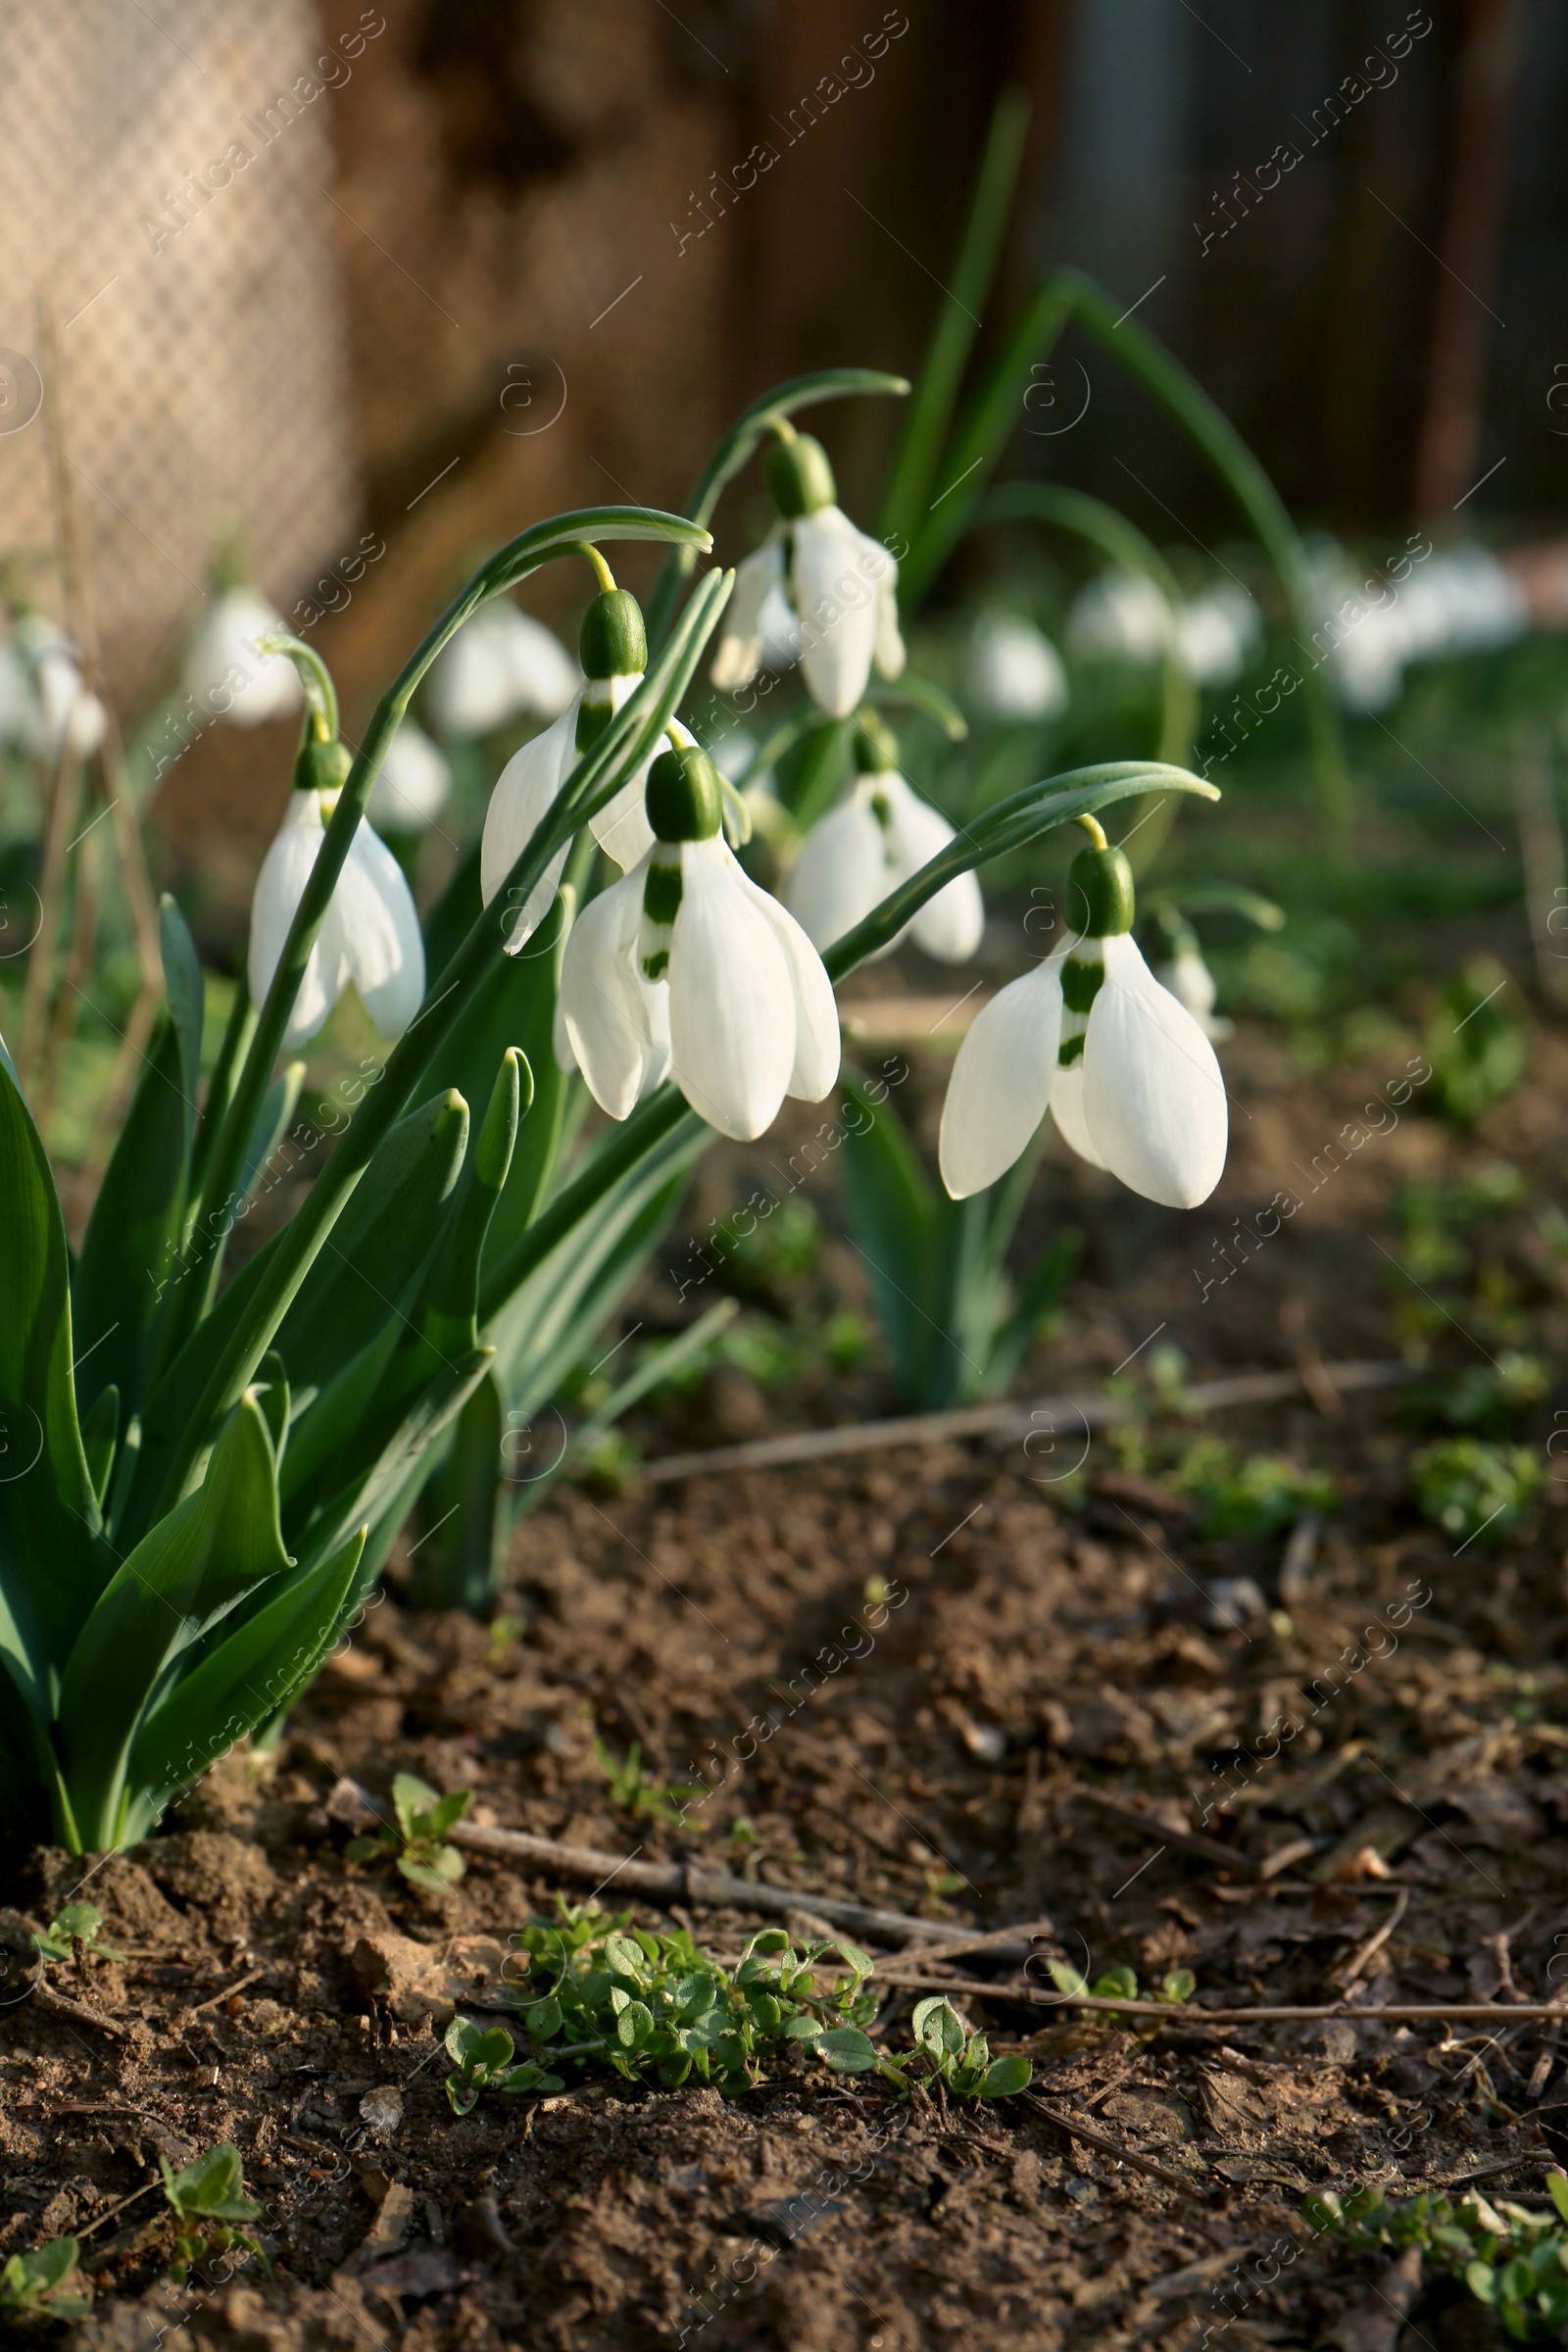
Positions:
(1476, 1041)
(36, 2287)
(72, 1931)
(954, 1323)
(207, 2200)
(417, 1837)
(1176, 1986)
(630, 1788)
(1511, 2259)
(1252, 1494)
(656, 2008)
(1472, 1488)
(1487, 1398)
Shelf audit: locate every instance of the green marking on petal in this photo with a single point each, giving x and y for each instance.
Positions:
(1081, 983)
(1070, 1050)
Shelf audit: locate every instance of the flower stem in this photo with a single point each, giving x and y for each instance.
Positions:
(1092, 827)
(602, 571)
(316, 679)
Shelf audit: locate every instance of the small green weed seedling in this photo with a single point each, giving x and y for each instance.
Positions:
(1251, 1494)
(482, 2057)
(1176, 1986)
(73, 1934)
(656, 2008)
(633, 1793)
(1511, 2259)
(1472, 1488)
(36, 2287)
(424, 1818)
(206, 2201)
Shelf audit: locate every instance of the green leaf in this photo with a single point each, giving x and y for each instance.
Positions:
(965, 285)
(738, 446)
(188, 1572)
(278, 1105)
(241, 1682)
(634, 2024)
(625, 1958)
(915, 693)
(211, 2187)
(457, 1561)
(936, 2026)
(895, 1224)
(100, 1434)
(847, 2050)
(51, 1568)
(543, 2019)
(1005, 2076)
(1115, 1984)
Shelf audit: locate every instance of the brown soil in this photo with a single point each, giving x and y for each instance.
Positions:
(1037, 1642)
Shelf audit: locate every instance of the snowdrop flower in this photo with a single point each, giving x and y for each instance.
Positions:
(1125, 1071)
(615, 652)
(17, 713)
(839, 586)
(879, 835)
(1120, 616)
(502, 664)
(685, 965)
(1217, 634)
(371, 933)
(411, 784)
(1191, 984)
(58, 711)
(226, 675)
(1015, 672)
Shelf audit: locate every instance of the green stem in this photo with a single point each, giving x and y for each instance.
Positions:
(602, 571)
(735, 450)
(314, 677)
(936, 387)
(562, 535)
(237, 1035)
(592, 783)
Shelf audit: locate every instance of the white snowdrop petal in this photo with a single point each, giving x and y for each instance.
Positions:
(1014, 672)
(840, 872)
(815, 1067)
(275, 902)
(471, 689)
(1067, 1114)
(1153, 1098)
(621, 827)
(950, 925)
(380, 931)
(603, 1006)
(543, 676)
(740, 643)
(520, 801)
(1002, 1081)
(732, 1009)
(888, 651)
(836, 599)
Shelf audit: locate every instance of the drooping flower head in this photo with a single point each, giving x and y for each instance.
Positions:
(1013, 674)
(370, 936)
(841, 586)
(411, 783)
(686, 968)
(614, 649)
(502, 664)
(880, 834)
(1126, 1072)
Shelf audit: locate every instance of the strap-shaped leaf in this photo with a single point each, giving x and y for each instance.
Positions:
(455, 1565)
(188, 1572)
(356, 1286)
(402, 1458)
(133, 1233)
(247, 1676)
(896, 1225)
(50, 1567)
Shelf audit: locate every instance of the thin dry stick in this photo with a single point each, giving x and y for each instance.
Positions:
(1005, 1423)
(1356, 1965)
(62, 804)
(77, 971)
(1111, 2147)
(1191, 1841)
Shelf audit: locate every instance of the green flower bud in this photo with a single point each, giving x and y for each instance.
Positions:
(800, 479)
(612, 641)
(321, 767)
(1099, 893)
(876, 747)
(682, 798)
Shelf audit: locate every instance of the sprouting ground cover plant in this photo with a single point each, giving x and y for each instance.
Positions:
(43, 2285)
(1512, 2259)
(1473, 1489)
(74, 1933)
(1476, 1041)
(629, 1788)
(1248, 1494)
(602, 1993)
(208, 2201)
(417, 1837)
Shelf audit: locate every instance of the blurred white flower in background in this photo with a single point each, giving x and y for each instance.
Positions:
(1119, 617)
(1191, 984)
(1454, 601)
(222, 661)
(502, 664)
(1218, 632)
(1014, 672)
(46, 696)
(411, 784)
